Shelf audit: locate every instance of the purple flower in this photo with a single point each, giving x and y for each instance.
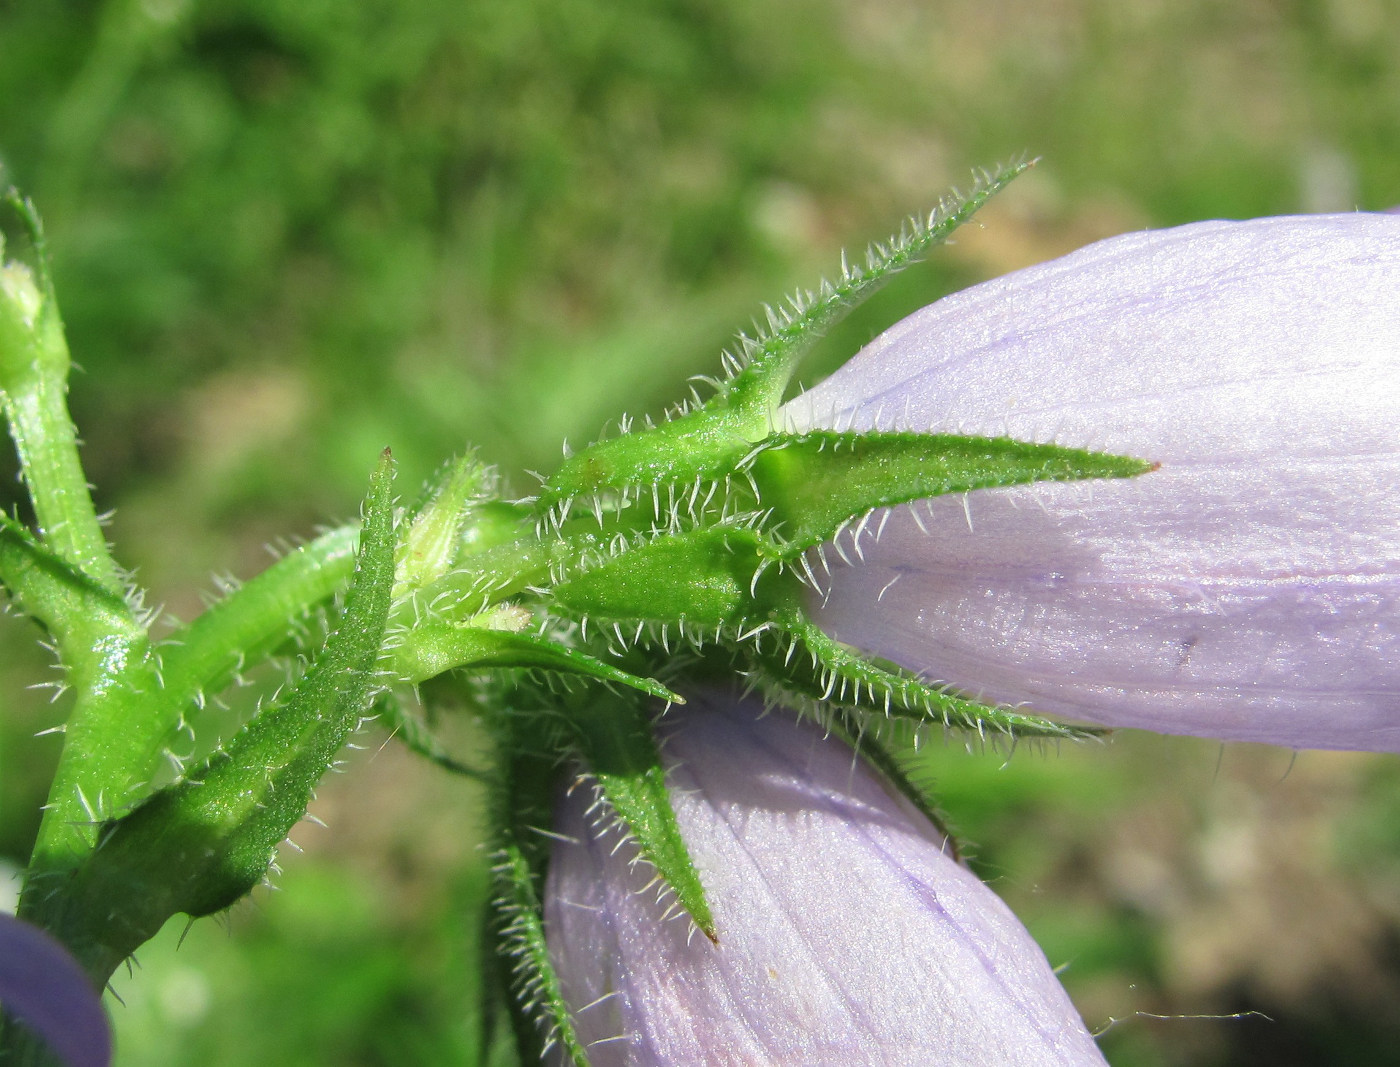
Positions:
(1249, 589)
(43, 987)
(847, 932)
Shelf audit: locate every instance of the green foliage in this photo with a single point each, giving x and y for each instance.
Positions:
(524, 936)
(433, 647)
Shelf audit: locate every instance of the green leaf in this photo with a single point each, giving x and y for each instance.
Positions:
(616, 743)
(433, 647)
(815, 483)
(201, 844)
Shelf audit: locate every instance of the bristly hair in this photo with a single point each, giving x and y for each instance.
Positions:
(788, 329)
(792, 326)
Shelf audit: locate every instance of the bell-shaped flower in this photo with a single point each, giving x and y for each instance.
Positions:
(1248, 588)
(45, 989)
(847, 933)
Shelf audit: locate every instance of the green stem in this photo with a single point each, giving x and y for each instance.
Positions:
(34, 365)
(47, 444)
(128, 710)
(103, 767)
(66, 578)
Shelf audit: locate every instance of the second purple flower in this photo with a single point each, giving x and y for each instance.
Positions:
(847, 933)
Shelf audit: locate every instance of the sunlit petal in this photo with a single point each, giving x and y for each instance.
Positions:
(1249, 588)
(847, 933)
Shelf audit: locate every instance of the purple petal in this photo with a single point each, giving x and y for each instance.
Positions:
(43, 987)
(1247, 590)
(848, 935)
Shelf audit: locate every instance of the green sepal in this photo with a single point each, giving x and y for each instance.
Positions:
(523, 932)
(815, 483)
(203, 843)
(808, 668)
(703, 578)
(702, 444)
(769, 361)
(433, 647)
(616, 742)
(704, 441)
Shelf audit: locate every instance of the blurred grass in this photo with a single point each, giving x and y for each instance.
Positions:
(289, 232)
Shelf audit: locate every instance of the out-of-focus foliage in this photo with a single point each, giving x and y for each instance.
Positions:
(290, 232)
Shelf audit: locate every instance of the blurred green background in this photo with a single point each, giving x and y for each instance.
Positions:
(290, 232)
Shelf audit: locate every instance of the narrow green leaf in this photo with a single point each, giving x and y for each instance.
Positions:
(258, 787)
(815, 483)
(433, 647)
(201, 844)
(616, 742)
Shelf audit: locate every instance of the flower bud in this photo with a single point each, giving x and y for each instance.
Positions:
(1248, 588)
(846, 931)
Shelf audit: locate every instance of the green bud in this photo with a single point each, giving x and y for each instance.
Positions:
(435, 535)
